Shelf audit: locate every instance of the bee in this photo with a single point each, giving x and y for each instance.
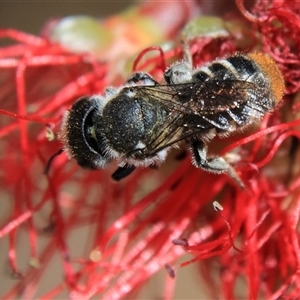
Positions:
(136, 124)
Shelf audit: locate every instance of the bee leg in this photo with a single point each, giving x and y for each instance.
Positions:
(216, 164)
(122, 172)
(141, 78)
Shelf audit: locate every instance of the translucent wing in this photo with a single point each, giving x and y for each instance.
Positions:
(196, 107)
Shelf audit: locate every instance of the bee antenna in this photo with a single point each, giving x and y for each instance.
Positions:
(49, 162)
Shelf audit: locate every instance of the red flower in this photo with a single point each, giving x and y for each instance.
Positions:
(129, 230)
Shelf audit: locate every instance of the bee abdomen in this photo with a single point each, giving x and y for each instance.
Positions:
(236, 67)
(235, 91)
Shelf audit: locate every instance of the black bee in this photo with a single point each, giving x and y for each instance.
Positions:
(136, 124)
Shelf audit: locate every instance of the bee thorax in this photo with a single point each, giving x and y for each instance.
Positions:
(129, 123)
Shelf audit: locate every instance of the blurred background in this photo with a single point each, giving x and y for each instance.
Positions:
(30, 16)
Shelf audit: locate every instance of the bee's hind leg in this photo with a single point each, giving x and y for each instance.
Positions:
(216, 164)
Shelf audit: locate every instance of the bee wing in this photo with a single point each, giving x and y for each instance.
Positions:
(207, 97)
(195, 107)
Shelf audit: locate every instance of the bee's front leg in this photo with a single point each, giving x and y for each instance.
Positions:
(122, 172)
(216, 164)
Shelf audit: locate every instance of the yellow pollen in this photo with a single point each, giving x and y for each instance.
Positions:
(271, 70)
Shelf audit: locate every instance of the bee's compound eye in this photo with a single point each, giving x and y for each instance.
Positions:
(78, 134)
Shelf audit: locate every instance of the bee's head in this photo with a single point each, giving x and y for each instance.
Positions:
(79, 137)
